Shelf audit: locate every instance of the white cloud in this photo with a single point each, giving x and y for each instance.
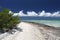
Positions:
(56, 14)
(33, 13)
(10, 12)
(15, 14)
(43, 13)
(20, 14)
(48, 14)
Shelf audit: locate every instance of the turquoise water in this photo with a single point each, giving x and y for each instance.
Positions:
(55, 23)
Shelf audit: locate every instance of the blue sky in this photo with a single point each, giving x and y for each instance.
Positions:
(31, 5)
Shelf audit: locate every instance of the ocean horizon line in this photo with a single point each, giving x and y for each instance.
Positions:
(38, 18)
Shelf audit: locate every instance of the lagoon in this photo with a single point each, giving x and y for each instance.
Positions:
(54, 23)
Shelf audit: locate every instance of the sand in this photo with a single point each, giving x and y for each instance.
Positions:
(29, 32)
(32, 31)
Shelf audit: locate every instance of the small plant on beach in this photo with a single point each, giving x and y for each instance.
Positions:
(8, 21)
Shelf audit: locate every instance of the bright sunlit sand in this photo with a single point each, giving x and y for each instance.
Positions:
(30, 31)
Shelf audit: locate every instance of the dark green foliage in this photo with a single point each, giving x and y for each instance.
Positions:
(8, 21)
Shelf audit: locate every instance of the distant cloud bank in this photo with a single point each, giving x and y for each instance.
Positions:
(41, 14)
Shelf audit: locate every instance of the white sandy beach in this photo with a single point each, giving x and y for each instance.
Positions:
(31, 31)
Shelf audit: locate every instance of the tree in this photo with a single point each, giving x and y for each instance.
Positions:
(8, 21)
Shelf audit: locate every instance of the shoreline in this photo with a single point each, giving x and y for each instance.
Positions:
(43, 25)
(32, 31)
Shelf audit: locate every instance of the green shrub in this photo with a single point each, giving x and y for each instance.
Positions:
(8, 21)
